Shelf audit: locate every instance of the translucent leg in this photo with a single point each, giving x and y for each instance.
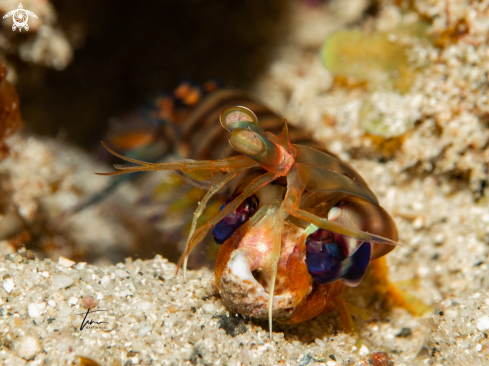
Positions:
(280, 215)
(201, 232)
(292, 198)
(349, 324)
(391, 291)
(213, 190)
(294, 210)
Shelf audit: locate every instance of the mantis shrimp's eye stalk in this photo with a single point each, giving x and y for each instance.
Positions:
(247, 142)
(230, 223)
(236, 117)
(327, 261)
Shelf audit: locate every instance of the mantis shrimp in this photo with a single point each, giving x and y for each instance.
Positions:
(299, 224)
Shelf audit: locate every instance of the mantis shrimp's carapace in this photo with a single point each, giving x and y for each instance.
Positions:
(298, 225)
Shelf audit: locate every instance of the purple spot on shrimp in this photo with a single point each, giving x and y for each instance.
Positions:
(231, 222)
(327, 260)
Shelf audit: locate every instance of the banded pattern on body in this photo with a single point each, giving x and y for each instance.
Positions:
(200, 136)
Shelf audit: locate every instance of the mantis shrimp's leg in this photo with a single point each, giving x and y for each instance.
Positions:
(199, 170)
(201, 232)
(349, 324)
(295, 187)
(275, 254)
(398, 297)
(337, 228)
(346, 310)
(297, 183)
(213, 190)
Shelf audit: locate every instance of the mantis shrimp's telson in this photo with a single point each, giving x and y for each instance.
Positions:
(299, 223)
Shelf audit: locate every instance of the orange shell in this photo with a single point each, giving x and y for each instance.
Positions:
(296, 297)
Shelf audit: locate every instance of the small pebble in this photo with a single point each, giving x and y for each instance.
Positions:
(364, 351)
(418, 222)
(65, 262)
(483, 323)
(35, 310)
(89, 302)
(144, 305)
(105, 281)
(136, 347)
(320, 342)
(28, 347)
(62, 281)
(8, 285)
(144, 330)
(121, 273)
(209, 308)
(478, 347)
(380, 359)
(440, 238)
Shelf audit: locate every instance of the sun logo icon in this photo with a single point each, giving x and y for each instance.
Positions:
(20, 17)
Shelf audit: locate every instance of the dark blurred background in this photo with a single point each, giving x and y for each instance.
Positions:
(126, 52)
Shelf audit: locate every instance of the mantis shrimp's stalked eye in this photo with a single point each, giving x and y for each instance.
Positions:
(238, 117)
(231, 222)
(327, 259)
(247, 142)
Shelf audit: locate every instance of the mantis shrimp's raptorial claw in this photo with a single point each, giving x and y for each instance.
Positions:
(201, 232)
(214, 189)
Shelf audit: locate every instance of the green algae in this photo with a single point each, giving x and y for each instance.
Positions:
(381, 61)
(378, 57)
(373, 57)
